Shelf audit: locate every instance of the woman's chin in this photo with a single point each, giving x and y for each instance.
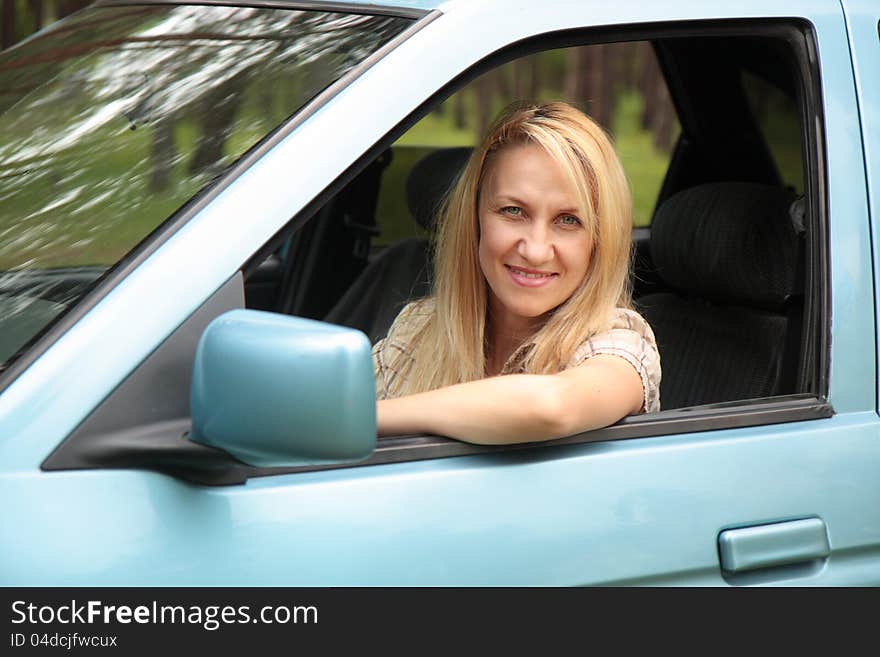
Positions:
(529, 311)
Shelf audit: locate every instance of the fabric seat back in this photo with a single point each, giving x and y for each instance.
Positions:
(728, 324)
(403, 271)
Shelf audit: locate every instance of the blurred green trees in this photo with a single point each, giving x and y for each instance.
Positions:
(21, 18)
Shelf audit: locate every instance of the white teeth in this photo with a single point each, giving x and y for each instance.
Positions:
(520, 272)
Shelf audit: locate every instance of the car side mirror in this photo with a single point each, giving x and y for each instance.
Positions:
(275, 390)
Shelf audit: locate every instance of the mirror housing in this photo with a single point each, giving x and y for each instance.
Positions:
(279, 391)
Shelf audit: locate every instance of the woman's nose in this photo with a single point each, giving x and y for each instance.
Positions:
(536, 244)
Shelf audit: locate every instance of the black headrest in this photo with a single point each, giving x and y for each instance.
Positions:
(735, 241)
(429, 181)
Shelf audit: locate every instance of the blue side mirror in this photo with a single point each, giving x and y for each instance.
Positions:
(275, 390)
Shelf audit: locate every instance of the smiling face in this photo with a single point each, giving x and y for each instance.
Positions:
(534, 243)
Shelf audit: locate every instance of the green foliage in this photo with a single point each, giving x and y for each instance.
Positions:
(644, 164)
(99, 145)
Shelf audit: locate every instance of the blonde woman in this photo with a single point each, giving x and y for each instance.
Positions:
(529, 333)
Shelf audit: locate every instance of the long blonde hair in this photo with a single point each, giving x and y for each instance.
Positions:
(451, 346)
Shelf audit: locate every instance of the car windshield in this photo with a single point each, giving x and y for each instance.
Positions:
(115, 118)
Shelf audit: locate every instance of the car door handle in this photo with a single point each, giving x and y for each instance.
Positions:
(777, 544)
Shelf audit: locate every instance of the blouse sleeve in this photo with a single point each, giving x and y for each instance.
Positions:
(631, 338)
(380, 369)
(387, 352)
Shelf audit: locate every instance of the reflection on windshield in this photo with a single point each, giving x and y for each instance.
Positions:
(113, 119)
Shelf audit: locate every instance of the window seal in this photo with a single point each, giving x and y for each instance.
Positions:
(164, 447)
(711, 417)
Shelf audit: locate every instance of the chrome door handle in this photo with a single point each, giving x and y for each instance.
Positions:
(777, 544)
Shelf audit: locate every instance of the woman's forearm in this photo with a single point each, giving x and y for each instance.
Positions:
(504, 409)
(521, 408)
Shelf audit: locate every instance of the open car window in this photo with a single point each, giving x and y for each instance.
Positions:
(718, 163)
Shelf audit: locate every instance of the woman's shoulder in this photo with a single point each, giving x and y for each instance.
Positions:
(409, 322)
(629, 319)
(628, 335)
(393, 354)
(625, 328)
(418, 308)
(413, 315)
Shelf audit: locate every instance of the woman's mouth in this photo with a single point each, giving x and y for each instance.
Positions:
(529, 277)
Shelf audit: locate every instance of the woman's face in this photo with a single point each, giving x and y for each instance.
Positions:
(534, 246)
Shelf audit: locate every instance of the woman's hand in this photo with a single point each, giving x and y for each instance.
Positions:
(520, 408)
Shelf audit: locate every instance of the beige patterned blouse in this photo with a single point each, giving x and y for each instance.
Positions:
(629, 337)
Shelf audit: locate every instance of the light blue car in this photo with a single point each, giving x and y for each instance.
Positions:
(208, 213)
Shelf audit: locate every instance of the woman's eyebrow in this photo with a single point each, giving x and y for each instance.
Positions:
(513, 200)
(509, 199)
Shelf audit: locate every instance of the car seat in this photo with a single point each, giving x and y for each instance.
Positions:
(728, 324)
(403, 271)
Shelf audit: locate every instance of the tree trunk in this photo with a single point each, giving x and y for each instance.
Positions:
(458, 112)
(7, 25)
(658, 113)
(576, 76)
(485, 89)
(596, 84)
(162, 154)
(519, 74)
(665, 134)
(607, 74)
(67, 7)
(36, 7)
(627, 68)
(647, 82)
(534, 77)
(217, 119)
(501, 76)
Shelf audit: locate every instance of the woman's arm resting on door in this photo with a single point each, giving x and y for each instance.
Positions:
(520, 408)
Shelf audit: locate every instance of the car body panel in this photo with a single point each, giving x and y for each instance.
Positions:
(621, 511)
(640, 511)
(863, 24)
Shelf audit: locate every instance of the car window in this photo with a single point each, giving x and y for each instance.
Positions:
(676, 281)
(111, 122)
(777, 116)
(618, 84)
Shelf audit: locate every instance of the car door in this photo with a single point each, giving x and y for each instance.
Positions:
(655, 500)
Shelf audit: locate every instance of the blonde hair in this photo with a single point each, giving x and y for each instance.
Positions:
(451, 346)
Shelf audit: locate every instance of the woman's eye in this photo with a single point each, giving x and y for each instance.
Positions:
(569, 220)
(512, 210)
